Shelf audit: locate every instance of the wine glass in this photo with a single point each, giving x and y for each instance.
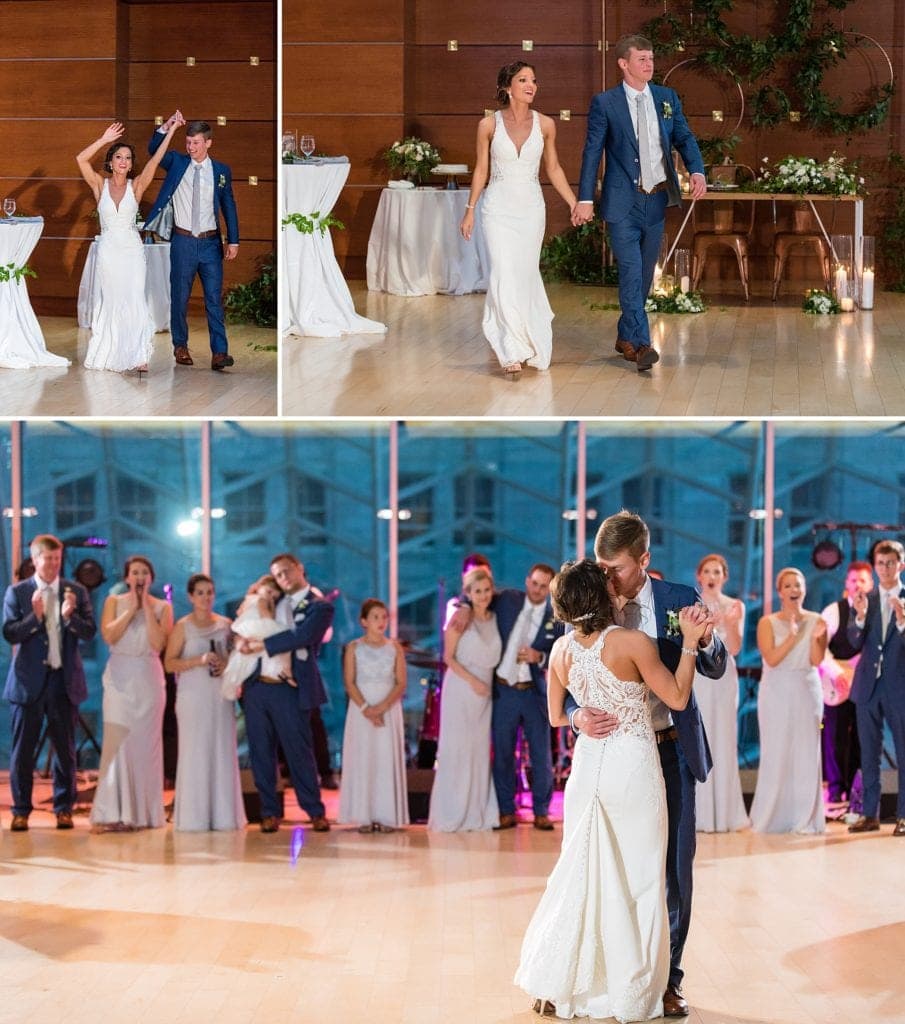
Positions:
(9, 206)
(306, 145)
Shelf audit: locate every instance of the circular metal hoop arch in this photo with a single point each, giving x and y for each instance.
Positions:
(741, 93)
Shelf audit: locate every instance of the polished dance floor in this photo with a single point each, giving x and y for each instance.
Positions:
(413, 928)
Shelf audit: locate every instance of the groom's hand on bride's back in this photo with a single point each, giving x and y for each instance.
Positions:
(594, 723)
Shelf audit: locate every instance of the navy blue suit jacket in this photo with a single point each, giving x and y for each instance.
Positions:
(176, 164)
(28, 669)
(507, 605)
(610, 131)
(689, 726)
(312, 618)
(873, 646)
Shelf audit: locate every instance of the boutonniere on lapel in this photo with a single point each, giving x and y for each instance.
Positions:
(667, 110)
(549, 627)
(672, 624)
(299, 610)
(221, 181)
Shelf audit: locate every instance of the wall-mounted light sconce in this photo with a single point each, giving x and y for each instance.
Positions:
(794, 116)
(600, 46)
(221, 120)
(528, 44)
(252, 179)
(254, 61)
(452, 45)
(565, 115)
(680, 46)
(216, 513)
(717, 115)
(189, 62)
(158, 120)
(488, 112)
(26, 512)
(387, 513)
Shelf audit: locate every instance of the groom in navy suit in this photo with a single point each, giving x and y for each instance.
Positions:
(878, 687)
(46, 616)
(637, 125)
(622, 547)
(200, 190)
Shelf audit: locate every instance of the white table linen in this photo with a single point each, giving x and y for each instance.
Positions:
(415, 246)
(157, 285)
(22, 344)
(315, 299)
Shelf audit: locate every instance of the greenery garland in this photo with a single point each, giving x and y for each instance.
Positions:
(814, 49)
(10, 272)
(307, 223)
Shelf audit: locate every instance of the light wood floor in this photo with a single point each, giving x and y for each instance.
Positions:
(759, 359)
(413, 928)
(247, 389)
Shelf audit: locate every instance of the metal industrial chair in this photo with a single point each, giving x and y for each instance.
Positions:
(804, 236)
(730, 227)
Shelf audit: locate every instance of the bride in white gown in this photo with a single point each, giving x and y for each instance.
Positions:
(122, 331)
(517, 316)
(598, 943)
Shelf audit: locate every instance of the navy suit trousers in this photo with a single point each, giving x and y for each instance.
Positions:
(680, 806)
(202, 257)
(871, 714)
(273, 716)
(26, 719)
(527, 708)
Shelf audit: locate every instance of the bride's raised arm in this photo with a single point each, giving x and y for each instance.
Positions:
(144, 179)
(95, 180)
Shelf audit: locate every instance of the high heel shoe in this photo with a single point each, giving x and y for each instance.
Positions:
(137, 371)
(513, 371)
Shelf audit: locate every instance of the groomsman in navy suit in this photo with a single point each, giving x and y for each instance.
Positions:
(46, 616)
(527, 630)
(201, 192)
(622, 547)
(637, 124)
(878, 687)
(278, 710)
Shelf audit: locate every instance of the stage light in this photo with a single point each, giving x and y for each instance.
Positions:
(28, 512)
(216, 513)
(90, 573)
(826, 555)
(188, 527)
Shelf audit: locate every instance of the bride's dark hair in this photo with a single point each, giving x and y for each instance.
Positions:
(108, 167)
(580, 597)
(504, 79)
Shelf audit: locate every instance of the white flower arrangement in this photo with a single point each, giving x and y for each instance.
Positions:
(414, 157)
(675, 301)
(803, 174)
(820, 302)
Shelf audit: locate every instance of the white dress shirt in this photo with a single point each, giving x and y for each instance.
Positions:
(524, 630)
(182, 197)
(653, 128)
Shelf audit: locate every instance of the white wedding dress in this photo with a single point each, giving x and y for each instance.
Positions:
(517, 316)
(598, 943)
(122, 331)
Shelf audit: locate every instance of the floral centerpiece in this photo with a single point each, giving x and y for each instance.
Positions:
(803, 174)
(675, 301)
(415, 158)
(820, 302)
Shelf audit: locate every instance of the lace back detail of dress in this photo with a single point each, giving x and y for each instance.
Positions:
(592, 684)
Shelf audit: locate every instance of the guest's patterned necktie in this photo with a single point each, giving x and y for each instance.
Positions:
(647, 164)
(196, 201)
(52, 625)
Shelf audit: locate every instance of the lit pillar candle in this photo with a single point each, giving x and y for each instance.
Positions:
(841, 282)
(846, 304)
(685, 284)
(867, 289)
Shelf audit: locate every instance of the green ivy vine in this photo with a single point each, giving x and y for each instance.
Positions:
(813, 49)
(307, 224)
(10, 272)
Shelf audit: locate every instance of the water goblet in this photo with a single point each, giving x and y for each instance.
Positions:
(289, 144)
(9, 206)
(306, 144)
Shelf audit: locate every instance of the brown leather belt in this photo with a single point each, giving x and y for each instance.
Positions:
(281, 679)
(500, 681)
(657, 188)
(661, 735)
(188, 234)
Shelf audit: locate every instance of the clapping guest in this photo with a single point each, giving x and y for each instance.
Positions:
(135, 625)
(208, 788)
(792, 642)
(463, 797)
(719, 806)
(373, 794)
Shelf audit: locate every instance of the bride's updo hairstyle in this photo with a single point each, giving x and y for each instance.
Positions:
(504, 79)
(579, 596)
(108, 167)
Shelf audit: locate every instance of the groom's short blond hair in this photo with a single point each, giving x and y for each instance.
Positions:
(633, 42)
(624, 531)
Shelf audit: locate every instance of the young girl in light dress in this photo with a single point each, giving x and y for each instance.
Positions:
(374, 794)
(256, 620)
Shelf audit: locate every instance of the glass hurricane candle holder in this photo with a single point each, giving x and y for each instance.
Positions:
(867, 272)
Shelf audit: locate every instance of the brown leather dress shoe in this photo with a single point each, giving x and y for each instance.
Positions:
(220, 360)
(864, 824)
(320, 824)
(899, 830)
(181, 355)
(674, 1004)
(542, 822)
(19, 823)
(506, 821)
(627, 350)
(64, 819)
(270, 824)
(646, 357)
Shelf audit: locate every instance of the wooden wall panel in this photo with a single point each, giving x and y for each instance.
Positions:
(206, 31)
(478, 22)
(343, 78)
(362, 138)
(60, 88)
(333, 21)
(58, 28)
(237, 91)
(247, 146)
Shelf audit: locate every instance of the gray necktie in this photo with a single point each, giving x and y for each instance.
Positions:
(647, 164)
(52, 625)
(196, 201)
(631, 615)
